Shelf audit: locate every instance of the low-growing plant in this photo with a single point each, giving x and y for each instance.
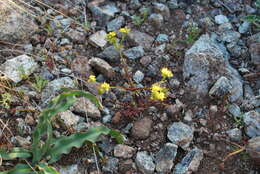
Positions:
(193, 33)
(6, 99)
(39, 83)
(139, 19)
(42, 153)
(22, 73)
(254, 19)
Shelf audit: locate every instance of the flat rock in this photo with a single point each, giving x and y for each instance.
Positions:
(165, 157)
(15, 25)
(141, 128)
(145, 162)
(221, 19)
(110, 54)
(138, 38)
(85, 106)
(18, 67)
(102, 66)
(180, 134)
(98, 39)
(252, 122)
(190, 163)
(205, 62)
(134, 53)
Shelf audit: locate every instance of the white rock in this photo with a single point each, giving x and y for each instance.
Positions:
(98, 39)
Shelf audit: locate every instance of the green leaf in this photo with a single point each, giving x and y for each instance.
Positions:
(20, 169)
(58, 104)
(64, 144)
(15, 153)
(45, 169)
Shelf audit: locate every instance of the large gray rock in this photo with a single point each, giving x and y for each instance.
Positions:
(165, 157)
(190, 163)
(205, 62)
(19, 67)
(180, 134)
(15, 25)
(55, 86)
(252, 122)
(145, 162)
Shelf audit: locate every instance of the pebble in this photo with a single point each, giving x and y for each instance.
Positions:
(142, 128)
(180, 134)
(221, 88)
(235, 134)
(230, 36)
(139, 38)
(156, 20)
(102, 66)
(98, 39)
(68, 118)
(145, 60)
(244, 27)
(252, 122)
(221, 19)
(76, 36)
(234, 110)
(134, 52)
(145, 162)
(111, 165)
(123, 151)
(162, 38)
(138, 76)
(116, 24)
(161, 9)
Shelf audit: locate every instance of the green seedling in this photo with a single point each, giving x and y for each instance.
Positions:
(39, 83)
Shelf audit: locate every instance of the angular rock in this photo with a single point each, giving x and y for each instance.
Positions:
(69, 119)
(190, 163)
(254, 48)
(234, 110)
(165, 157)
(252, 122)
(111, 165)
(16, 68)
(221, 88)
(103, 13)
(116, 24)
(156, 20)
(110, 54)
(235, 134)
(141, 128)
(138, 38)
(138, 76)
(244, 27)
(98, 39)
(221, 19)
(230, 36)
(53, 87)
(123, 151)
(145, 162)
(102, 66)
(14, 25)
(162, 38)
(180, 134)
(76, 36)
(205, 62)
(253, 148)
(134, 53)
(85, 106)
(162, 9)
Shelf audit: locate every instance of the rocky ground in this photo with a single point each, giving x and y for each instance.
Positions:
(214, 101)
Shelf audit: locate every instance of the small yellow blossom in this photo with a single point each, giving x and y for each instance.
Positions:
(104, 87)
(166, 73)
(158, 93)
(124, 30)
(92, 78)
(111, 35)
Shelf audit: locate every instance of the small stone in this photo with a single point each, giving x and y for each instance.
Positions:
(116, 24)
(134, 52)
(107, 119)
(213, 108)
(230, 36)
(252, 122)
(76, 36)
(161, 9)
(18, 68)
(69, 119)
(172, 4)
(138, 76)
(225, 27)
(102, 66)
(253, 148)
(110, 54)
(24, 142)
(71, 169)
(165, 157)
(221, 88)
(235, 134)
(64, 41)
(175, 83)
(244, 27)
(141, 128)
(138, 38)
(234, 110)
(123, 151)
(98, 39)
(111, 165)
(188, 116)
(180, 134)
(162, 38)
(85, 106)
(156, 20)
(146, 60)
(221, 19)
(80, 66)
(190, 163)
(145, 162)
(126, 166)
(135, 4)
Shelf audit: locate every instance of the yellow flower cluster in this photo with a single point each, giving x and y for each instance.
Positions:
(158, 92)
(111, 36)
(166, 73)
(124, 30)
(104, 87)
(92, 78)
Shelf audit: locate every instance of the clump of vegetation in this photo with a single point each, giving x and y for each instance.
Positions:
(39, 83)
(254, 19)
(193, 33)
(139, 19)
(44, 153)
(6, 99)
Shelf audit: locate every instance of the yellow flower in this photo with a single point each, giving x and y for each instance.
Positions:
(158, 93)
(166, 73)
(92, 78)
(111, 35)
(124, 30)
(104, 87)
